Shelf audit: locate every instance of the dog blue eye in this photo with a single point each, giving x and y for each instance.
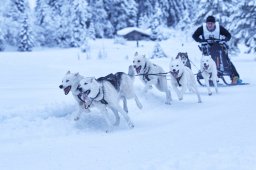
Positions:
(85, 83)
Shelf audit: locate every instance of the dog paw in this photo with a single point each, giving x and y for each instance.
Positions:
(109, 130)
(131, 126)
(168, 102)
(116, 123)
(76, 118)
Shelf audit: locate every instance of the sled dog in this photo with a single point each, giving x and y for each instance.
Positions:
(184, 58)
(123, 83)
(103, 94)
(209, 72)
(69, 83)
(151, 74)
(182, 78)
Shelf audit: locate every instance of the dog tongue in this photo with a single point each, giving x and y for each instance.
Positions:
(175, 74)
(67, 89)
(138, 69)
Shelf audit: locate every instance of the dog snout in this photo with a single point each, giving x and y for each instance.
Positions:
(61, 86)
(79, 88)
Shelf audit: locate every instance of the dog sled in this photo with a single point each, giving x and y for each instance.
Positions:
(219, 53)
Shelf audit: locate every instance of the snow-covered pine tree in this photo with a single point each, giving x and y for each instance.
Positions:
(2, 42)
(145, 12)
(91, 31)
(123, 13)
(64, 21)
(243, 25)
(80, 17)
(100, 20)
(2, 45)
(45, 25)
(13, 14)
(175, 12)
(25, 39)
(158, 52)
(156, 23)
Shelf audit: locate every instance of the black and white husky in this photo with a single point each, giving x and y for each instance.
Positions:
(182, 78)
(69, 83)
(151, 75)
(209, 72)
(184, 58)
(105, 92)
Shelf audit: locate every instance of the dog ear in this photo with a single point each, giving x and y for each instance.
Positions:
(136, 53)
(144, 55)
(68, 72)
(178, 56)
(77, 74)
(92, 79)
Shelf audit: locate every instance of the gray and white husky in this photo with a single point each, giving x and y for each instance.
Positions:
(69, 83)
(209, 72)
(105, 92)
(184, 58)
(151, 75)
(182, 77)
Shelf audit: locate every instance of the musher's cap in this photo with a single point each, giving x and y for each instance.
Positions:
(210, 19)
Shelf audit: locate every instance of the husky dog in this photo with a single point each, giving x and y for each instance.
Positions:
(183, 77)
(69, 83)
(123, 83)
(151, 74)
(184, 58)
(103, 94)
(209, 72)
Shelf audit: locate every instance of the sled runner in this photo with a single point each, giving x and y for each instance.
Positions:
(219, 53)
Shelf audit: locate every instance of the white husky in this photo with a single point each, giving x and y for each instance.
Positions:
(209, 72)
(183, 77)
(103, 94)
(151, 74)
(69, 83)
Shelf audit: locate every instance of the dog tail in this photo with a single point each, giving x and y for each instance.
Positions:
(131, 71)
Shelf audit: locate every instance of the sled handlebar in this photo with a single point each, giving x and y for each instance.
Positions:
(210, 41)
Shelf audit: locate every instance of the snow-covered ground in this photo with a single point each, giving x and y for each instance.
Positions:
(37, 130)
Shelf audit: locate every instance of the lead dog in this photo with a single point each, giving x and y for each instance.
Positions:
(151, 74)
(209, 72)
(103, 94)
(183, 77)
(69, 83)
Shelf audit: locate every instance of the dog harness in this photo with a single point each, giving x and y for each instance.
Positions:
(210, 74)
(145, 76)
(178, 80)
(103, 101)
